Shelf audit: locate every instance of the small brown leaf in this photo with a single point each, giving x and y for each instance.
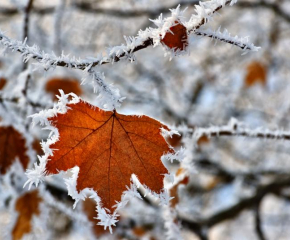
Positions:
(176, 38)
(256, 73)
(27, 205)
(12, 145)
(68, 85)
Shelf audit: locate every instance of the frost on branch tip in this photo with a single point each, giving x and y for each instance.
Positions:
(226, 37)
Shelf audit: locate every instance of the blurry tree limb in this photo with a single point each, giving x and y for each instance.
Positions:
(234, 210)
(276, 8)
(27, 11)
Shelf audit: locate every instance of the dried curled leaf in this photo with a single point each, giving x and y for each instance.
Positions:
(256, 73)
(66, 84)
(27, 205)
(12, 146)
(176, 38)
(108, 147)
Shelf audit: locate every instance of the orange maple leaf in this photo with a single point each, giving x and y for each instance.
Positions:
(27, 205)
(108, 147)
(176, 38)
(12, 145)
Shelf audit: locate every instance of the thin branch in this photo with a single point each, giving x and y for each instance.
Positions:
(234, 128)
(27, 11)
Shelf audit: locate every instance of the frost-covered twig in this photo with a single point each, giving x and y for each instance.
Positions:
(226, 37)
(144, 39)
(235, 128)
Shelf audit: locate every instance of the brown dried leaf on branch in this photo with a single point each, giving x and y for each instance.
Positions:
(12, 146)
(68, 85)
(27, 206)
(108, 147)
(256, 73)
(176, 38)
